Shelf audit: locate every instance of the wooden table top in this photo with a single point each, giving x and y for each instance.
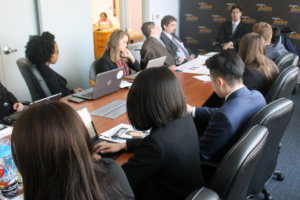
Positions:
(196, 92)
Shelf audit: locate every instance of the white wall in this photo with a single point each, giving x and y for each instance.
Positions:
(157, 9)
(70, 21)
(99, 6)
(135, 15)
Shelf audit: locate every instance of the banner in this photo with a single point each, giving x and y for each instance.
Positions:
(200, 20)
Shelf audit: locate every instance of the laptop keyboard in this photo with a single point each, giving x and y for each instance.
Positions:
(90, 94)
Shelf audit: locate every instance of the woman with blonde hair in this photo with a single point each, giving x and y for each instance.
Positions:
(260, 71)
(117, 55)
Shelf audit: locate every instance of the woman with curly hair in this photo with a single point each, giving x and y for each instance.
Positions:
(43, 51)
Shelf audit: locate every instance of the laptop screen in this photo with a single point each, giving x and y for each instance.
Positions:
(87, 120)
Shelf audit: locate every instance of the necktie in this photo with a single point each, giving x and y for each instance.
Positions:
(182, 49)
(234, 26)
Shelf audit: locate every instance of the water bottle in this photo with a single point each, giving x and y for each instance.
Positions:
(178, 55)
(8, 172)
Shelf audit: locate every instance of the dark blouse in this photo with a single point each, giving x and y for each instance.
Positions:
(117, 177)
(7, 100)
(257, 80)
(55, 82)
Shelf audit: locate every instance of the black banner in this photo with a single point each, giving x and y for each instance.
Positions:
(200, 20)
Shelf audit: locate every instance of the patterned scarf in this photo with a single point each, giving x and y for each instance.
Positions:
(121, 64)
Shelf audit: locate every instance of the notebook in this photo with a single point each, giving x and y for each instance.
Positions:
(106, 83)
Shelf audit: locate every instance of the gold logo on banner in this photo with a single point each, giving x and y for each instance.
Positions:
(248, 20)
(264, 8)
(294, 36)
(203, 29)
(218, 18)
(190, 17)
(205, 6)
(191, 40)
(294, 8)
(278, 21)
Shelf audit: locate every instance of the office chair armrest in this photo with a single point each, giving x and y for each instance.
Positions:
(208, 169)
(203, 194)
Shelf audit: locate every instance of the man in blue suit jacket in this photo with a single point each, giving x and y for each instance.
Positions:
(218, 128)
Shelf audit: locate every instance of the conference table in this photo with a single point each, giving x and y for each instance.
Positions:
(196, 92)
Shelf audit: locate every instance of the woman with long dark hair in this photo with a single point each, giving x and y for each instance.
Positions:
(53, 152)
(166, 163)
(260, 71)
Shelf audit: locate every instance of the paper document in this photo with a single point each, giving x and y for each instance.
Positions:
(121, 133)
(5, 130)
(125, 84)
(195, 66)
(204, 78)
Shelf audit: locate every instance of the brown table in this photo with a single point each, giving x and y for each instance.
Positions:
(196, 92)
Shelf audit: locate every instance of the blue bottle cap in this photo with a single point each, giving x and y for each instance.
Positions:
(5, 151)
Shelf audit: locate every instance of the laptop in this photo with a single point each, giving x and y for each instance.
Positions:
(87, 120)
(13, 117)
(157, 62)
(106, 83)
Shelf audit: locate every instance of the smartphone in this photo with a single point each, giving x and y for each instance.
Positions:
(76, 99)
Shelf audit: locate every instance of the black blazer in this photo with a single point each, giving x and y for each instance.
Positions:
(165, 164)
(112, 174)
(7, 100)
(225, 33)
(172, 46)
(55, 82)
(104, 64)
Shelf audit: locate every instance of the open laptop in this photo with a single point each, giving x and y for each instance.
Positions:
(13, 117)
(87, 120)
(106, 83)
(157, 62)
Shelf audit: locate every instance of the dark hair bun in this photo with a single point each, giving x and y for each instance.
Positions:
(48, 36)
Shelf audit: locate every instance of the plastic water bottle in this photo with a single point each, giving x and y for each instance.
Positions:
(8, 172)
(178, 55)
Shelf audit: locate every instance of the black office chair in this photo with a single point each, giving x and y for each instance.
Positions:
(286, 60)
(234, 173)
(275, 117)
(92, 74)
(284, 84)
(36, 84)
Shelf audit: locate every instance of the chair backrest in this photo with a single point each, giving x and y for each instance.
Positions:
(296, 60)
(92, 74)
(285, 60)
(284, 84)
(36, 84)
(135, 50)
(232, 178)
(275, 117)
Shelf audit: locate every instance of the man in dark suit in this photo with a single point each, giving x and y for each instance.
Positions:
(219, 128)
(231, 32)
(154, 47)
(178, 50)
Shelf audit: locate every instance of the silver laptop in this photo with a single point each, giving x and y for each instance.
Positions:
(106, 83)
(87, 120)
(157, 62)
